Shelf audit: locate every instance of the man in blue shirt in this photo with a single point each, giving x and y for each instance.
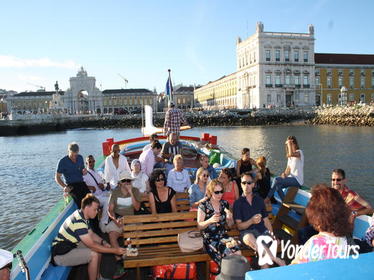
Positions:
(250, 214)
(72, 168)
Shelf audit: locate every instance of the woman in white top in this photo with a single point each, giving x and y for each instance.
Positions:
(115, 163)
(141, 180)
(178, 178)
(293, 176)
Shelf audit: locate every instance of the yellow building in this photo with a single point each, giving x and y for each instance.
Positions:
(221, 93)
(354, 72)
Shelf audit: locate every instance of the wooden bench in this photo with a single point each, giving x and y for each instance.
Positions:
(156, 237)
(183, 202)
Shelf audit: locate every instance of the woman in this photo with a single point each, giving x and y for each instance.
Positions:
(123, 201)
(328, 213)
(293, 175)
(161, 198)
(231, 191)
(141, 180)
(245, 163)
(212, 216)
(263, 177)
(178, 178)
(197, 190)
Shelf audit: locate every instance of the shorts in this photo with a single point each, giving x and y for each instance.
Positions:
(254, 231)
(113, 227)
(77, 256)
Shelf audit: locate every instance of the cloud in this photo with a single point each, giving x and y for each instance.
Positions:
(8, 61)
(30, 78)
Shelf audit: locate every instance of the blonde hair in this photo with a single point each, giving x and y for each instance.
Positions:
(198, 174)
(177, 157)
(261, 163)
(210, 188)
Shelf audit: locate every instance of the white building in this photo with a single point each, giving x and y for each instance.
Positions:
(275, 69)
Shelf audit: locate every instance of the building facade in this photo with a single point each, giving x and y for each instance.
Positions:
(221, 93)
(183, 97)
(344, 78)
(31, 102)
(275, 69)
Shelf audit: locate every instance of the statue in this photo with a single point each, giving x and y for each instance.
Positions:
(311, 29)
(56, 86)
(259, 27)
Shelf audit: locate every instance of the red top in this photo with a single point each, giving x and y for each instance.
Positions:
(230, 196)
(351, 198)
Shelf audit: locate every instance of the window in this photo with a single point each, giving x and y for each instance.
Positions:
(297, 80)
(306, 97)
(268, 98)
(286, 55)
(288, 79)
(372, 80)
(372, 97)
(306, 80)
(317, 81)
(297, 96)
(340, 80)
(278, 98)
(296, 56)
(305, 56)
(362, 98)
(277, 55)
(351, 97)
(268, 80)
(351, 81)
(329, 81)
(267, 55)
(278, 80)
(362, 82)
(329, 99)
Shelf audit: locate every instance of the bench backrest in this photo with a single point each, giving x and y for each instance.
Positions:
(183, 202)
(160, 229)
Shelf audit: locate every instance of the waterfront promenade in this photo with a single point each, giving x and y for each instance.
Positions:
(338, 115)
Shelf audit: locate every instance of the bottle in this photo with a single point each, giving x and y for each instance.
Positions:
(128, 243)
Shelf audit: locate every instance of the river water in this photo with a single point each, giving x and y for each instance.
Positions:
(27, 163)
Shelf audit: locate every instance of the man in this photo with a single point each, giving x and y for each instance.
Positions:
(356, 203)
(77, 244)
(173, 120)
(250, 214)
(152, 138)
(204, 163)
(95, 184)
(115, 163)
(148, 158)
(72, 168)
(171, 148)
(6, 259)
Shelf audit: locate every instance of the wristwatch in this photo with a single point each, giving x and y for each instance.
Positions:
(354, 213)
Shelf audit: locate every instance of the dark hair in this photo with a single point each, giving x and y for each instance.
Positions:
(327, 211)
(88, 200)
(228, 172)
(156, 144)
(249, 173)
(89, 157)
(340, 172)
(294, 140)
(245, 150)
(154, 176)
(153, 137)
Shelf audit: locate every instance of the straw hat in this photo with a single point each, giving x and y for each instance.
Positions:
(233, 267)
(125, 175)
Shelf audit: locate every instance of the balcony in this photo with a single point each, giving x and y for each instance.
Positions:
(306, 86)
(268, 85)
(278, 85)
(297, 86)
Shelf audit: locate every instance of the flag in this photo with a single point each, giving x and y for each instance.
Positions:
(169, 88)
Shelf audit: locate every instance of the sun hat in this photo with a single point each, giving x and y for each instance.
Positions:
(6, 258)
(125, 175)
(233, 267)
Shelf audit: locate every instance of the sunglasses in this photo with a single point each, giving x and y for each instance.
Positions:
(218, 192)
(337, 180)
(126, 181)
(247, 183)
(205, 175)
(91, 161)
(160, 179)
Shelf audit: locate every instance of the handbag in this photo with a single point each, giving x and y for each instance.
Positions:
(190, 241)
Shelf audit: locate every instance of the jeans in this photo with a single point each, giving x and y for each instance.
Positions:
(280, 183)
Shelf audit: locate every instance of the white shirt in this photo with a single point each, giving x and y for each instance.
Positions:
(147, 147)
(140, 181)
(296, 165)
(111, 173)
(179, 181)
(89, 180)
(147, 161)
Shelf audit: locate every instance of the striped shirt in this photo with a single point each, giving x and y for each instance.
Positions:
(73, 227)
(173, 120)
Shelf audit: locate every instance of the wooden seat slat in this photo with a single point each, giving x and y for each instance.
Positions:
(134, 227)
(149, 218)
(154, 240)
(151, 234)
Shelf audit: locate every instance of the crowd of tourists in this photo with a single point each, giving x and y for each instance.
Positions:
(240, 196)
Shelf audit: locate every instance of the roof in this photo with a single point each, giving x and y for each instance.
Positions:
(37, 93)
(340, 58)
(128, 91)
(191, 88)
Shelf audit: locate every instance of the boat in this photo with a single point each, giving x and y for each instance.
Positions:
(36, 246)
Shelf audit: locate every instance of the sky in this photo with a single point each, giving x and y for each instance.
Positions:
(42, 42)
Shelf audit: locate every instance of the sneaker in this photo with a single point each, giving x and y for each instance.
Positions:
(120, 272)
